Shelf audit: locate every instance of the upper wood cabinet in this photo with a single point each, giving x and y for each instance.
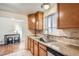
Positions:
(39, 20)
(31, 21)
(35, 21)
(68, 15)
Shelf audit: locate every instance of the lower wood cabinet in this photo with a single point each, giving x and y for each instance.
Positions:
(42, 50)
(36, 48)
(29, 43)
(32, 46)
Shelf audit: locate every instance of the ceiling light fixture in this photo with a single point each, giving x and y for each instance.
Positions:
(45, 6)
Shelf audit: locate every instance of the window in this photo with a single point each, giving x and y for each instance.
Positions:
(50, 24)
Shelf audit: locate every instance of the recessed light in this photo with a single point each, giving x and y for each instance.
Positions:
(45, 6)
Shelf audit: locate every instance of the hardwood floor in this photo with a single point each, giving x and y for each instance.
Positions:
(7, 49)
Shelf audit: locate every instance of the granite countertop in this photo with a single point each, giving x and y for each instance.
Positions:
(65, 49)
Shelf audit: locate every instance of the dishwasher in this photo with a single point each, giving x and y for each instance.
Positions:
(52, 52)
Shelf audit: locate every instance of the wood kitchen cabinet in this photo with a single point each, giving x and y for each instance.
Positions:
(68, 15)
(42, 50)
(31, 21)
(32, 46)
(39, 20)
(35, 22)
(29, 44)
(36, 48)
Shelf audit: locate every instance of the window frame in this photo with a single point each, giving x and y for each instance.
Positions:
(52, 25)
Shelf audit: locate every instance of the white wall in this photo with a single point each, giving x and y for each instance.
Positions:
(6, 26)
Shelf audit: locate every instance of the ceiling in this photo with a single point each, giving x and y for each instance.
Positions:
(21, 8)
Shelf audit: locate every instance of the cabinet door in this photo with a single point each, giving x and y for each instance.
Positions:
(42, 50)
(29, 43)
(39, 22)
(32, 45)
(68, 15)
(31, 21)
(35, 48)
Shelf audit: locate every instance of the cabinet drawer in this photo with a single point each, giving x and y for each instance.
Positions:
(42, 46)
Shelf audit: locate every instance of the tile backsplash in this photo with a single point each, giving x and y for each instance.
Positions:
(63, 33)
(71, 33)
(67, 32)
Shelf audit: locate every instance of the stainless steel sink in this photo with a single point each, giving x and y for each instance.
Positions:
(43, 39)
(46, 41)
